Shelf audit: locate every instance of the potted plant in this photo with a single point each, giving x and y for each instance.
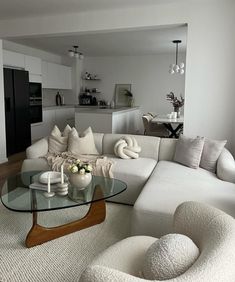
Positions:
(177, 103)
(80, 174)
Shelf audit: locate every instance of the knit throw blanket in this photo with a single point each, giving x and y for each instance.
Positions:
(101, 165)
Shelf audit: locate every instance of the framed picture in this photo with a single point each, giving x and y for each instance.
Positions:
(121, 98)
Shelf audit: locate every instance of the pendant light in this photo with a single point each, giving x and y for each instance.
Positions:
(176, 68)
(75, 53)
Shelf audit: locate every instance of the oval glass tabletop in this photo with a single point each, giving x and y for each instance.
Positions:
(17, 196)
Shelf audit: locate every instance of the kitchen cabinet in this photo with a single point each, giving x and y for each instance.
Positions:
(65, 74)
(44, 75)
(56, 76)
(55, 116)
(13, 59)
(33, 65)
(35, 78)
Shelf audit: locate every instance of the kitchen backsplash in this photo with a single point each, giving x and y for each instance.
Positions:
(49, 97)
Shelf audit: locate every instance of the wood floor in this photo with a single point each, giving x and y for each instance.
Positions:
(11, 167)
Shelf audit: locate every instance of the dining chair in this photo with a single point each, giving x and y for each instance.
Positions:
(153, 129)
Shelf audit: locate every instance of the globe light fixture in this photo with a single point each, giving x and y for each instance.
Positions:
(176, 68)
(75, 53)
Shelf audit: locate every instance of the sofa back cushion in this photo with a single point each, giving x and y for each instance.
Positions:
(210, 153)
(167, 149)
(149, 144)
(188, 151)
(98, 138)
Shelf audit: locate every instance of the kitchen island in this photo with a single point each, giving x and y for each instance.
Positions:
(123, 120)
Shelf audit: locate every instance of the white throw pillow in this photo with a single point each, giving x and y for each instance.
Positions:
(189, 150)
(58, 142)
(127, 148)
(210, 153)
(82, 145)
(169, 257)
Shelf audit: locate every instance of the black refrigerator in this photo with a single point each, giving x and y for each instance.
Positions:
(17, 114)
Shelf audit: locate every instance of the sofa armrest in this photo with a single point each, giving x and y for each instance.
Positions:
(38, 149)
(226, 166)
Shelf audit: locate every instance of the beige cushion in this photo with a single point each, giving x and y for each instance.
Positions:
(189, 150)
(82, 145)
(211, 152)
(169, 257)
(58, 142)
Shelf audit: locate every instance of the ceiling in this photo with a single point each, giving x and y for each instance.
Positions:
(121, 43)
(33, 8)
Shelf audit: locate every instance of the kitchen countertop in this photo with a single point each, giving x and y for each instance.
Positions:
(97, 110)
(53, 107)
(91, 109)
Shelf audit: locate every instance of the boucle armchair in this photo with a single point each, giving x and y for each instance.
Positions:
(212, 231)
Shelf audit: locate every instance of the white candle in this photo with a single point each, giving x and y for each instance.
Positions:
(62, 174)
(49, 183)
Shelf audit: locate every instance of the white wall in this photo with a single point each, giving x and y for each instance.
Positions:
(148, 75)
(209, 91)
(3, 157)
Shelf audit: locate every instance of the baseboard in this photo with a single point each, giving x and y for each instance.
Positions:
(3, 160)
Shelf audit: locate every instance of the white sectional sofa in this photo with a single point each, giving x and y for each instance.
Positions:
(155, 184)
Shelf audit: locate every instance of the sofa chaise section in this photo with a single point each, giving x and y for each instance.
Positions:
(170, 185)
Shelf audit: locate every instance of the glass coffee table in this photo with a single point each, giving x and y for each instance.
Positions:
(17, 196)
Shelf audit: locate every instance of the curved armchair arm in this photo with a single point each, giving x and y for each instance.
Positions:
(98, 273)
(38, 149)
(226, 166)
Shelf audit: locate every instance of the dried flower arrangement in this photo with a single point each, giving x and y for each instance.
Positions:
(128, 93)
(177, 103)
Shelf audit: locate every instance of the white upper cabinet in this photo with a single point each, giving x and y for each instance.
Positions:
(44, 75)
(13, 59)
(33, 65)
(53, 80)
(65, 75)
(56, 76)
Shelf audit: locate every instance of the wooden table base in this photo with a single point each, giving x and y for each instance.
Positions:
(39, 234)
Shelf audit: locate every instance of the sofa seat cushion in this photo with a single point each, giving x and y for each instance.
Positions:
(127, 256)
(135, 173)
(172, 184)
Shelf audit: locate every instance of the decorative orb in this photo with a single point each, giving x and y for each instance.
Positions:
(171, 71)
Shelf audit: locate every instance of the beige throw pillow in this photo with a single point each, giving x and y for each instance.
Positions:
(58, 142)
(82, 145)
(189, 150)
(210, 153)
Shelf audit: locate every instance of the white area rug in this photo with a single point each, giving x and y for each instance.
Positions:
(62, 259)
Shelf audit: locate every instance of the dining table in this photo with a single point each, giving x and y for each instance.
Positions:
(174, 125)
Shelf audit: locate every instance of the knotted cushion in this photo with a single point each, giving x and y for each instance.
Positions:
(169, 257)
(127, 148)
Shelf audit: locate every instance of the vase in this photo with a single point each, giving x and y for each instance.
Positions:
(80, 181)
(131, 102)
(177, 110)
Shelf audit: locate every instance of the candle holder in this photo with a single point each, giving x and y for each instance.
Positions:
(62, 189)
(49, 194)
